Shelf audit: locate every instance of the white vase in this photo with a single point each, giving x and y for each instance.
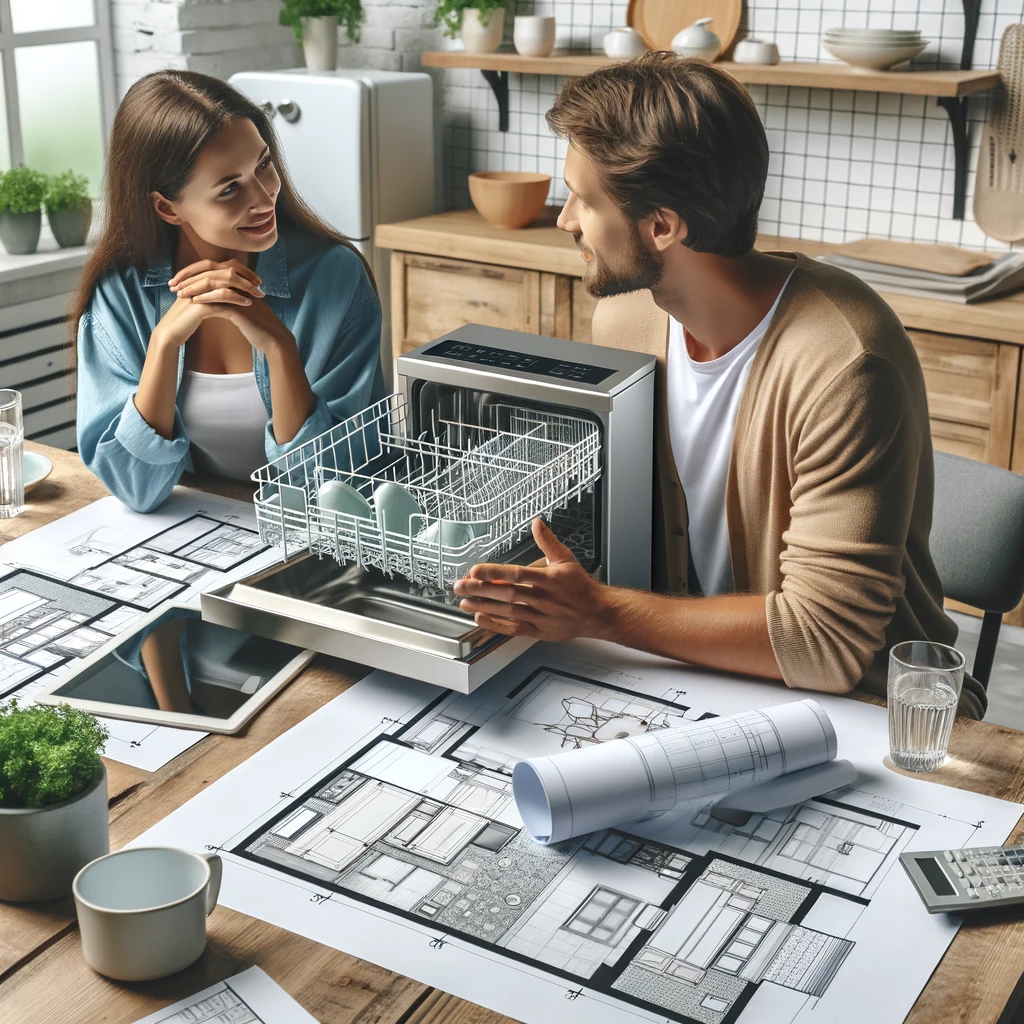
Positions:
(482, 36)
(320, 43)
(534, 36)
(43, 848)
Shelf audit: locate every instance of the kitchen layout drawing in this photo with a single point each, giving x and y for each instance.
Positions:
(222, 1006)
(421, 823)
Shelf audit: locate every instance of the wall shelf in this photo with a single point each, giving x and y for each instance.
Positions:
(950, 88)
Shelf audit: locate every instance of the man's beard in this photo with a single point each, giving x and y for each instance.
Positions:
(643, 270)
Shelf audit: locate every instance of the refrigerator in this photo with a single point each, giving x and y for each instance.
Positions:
(359, 146)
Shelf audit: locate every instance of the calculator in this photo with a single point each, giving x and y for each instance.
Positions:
(950, 881)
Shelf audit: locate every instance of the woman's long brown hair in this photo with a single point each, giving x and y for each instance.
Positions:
(162, 125)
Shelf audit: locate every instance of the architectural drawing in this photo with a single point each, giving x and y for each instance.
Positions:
(422, 823)
(224, 1006)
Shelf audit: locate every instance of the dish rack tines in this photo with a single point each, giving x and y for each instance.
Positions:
(483, 484)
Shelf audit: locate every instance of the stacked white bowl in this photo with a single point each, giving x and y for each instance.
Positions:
(873, 49)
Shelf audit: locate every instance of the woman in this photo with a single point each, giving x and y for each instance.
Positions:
(220, 322)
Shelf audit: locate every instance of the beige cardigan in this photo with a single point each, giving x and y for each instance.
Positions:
(830, 485)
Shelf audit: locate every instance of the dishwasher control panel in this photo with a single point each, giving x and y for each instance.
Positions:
(484, 355)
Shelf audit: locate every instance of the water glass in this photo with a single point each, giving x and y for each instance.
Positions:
(924, 687)
(12, 444)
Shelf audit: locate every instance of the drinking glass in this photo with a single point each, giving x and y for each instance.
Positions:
(924, 687)
(12, 443)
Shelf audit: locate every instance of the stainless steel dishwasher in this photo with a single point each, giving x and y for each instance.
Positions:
(487, 430)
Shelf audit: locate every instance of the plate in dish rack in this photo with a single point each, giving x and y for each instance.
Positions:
(658, 21)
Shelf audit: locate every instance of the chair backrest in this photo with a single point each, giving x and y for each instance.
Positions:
(977, 538)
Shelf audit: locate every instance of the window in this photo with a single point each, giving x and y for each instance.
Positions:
(603, 915)
(57, 85)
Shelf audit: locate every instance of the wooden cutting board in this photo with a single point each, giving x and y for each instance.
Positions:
(658, 21)
(936, 259)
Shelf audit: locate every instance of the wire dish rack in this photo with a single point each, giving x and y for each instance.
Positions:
(478, 487)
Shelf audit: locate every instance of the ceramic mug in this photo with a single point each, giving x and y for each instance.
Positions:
(533, 35)
(142, 912)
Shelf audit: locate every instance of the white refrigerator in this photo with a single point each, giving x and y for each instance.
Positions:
(359, 146)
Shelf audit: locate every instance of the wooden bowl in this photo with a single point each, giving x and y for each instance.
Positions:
(508, 199)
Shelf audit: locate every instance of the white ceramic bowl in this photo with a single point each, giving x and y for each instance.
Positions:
(533, 35)
(871, 56)
(624, 43)
(755, 51)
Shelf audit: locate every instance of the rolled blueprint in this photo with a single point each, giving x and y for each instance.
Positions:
(607, 784)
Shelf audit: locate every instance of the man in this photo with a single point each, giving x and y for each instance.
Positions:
(794, 461)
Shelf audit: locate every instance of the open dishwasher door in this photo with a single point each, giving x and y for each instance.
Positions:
(364, 616)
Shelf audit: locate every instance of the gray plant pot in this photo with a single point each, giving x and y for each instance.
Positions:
(70, 227)
(43, 848)
(19, 232)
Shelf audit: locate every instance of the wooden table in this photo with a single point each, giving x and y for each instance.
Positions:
(44, 980)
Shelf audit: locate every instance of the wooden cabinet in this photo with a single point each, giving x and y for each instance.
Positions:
(972, 394)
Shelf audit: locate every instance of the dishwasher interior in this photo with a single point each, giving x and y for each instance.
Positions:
(474, 458)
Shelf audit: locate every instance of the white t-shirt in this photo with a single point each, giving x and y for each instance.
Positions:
(702, 402)
(225, 420)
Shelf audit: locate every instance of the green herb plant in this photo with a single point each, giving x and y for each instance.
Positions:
(66, 191)
(47, 754)
(22, 190)
(348, 12)
(449, 13)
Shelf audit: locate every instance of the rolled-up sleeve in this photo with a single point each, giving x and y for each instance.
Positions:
(135, 463)
(352, 378)
(855, 481)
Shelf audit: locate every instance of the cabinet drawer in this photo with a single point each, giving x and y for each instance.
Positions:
(22, 344)
(971, 394)
(432, 296)
(21, 372)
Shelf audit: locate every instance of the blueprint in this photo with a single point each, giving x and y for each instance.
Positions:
(247, 998)
(73, 585)
(632, 777)
(384, 825)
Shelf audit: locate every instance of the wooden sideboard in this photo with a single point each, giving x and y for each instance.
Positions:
(453, 268)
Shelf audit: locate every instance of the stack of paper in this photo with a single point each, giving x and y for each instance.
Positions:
(900, 269)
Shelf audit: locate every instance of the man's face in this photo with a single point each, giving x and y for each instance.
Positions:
(609, 242)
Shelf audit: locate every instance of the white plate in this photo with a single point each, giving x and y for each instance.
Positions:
(35, 469)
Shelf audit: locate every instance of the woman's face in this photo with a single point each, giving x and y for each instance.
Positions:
(229, 200)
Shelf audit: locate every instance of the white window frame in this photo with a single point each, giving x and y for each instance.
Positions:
(99, 32)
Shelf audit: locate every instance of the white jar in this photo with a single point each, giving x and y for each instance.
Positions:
(533, 35)
(697, 40)
(624, 43)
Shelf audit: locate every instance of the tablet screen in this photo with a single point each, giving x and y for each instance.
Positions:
(182, 664)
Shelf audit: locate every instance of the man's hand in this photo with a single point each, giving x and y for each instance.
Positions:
(559, 601)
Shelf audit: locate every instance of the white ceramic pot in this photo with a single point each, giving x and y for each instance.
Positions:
(755, 51)
(320, 43)
(624, 44)
(43, 848)
(697, 40)
(533, 35)
(142, 912)
(482, 36)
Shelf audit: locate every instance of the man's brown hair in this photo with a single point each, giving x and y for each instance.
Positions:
(680, 134)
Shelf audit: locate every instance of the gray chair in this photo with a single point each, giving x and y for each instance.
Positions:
(977, 541)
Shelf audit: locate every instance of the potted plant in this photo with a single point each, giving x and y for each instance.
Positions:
(53, 799)
(21, 203)
(315, 23)
(68, 208)
(481, 23)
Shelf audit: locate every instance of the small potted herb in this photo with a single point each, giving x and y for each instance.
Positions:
(21, 204)
(480, 23)
(53, 799)
(68, 208)
(315, 23)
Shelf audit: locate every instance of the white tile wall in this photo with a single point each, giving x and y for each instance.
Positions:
(843, 164)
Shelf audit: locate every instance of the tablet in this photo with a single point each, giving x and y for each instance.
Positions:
(172, 668)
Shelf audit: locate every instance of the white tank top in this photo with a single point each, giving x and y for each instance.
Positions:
(225, 420)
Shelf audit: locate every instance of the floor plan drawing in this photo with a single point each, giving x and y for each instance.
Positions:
(248, 998)
(70, 586)
(385, 825)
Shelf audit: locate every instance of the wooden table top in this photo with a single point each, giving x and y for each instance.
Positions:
(44, 980)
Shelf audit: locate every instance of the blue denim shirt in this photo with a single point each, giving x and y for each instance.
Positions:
(322, 294)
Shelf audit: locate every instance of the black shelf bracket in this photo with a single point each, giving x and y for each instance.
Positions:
(972, 9)
(956, 109)
(498, 81)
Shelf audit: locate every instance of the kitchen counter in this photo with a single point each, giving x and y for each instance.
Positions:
(465, 235)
